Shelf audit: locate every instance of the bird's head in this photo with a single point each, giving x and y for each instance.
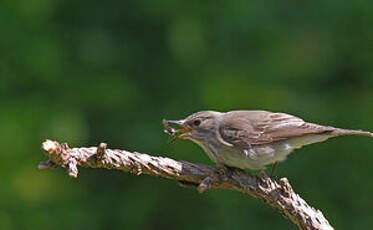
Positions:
(196, 127)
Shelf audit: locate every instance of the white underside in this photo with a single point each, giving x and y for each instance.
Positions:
(257, 157)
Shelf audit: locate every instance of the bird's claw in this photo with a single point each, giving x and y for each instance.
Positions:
(223, 170)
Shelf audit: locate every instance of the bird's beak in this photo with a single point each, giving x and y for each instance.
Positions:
(175, 122)
(183, 131)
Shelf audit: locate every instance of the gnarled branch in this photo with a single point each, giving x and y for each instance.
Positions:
(279, 195)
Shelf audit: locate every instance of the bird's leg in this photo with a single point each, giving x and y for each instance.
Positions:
(274, 167)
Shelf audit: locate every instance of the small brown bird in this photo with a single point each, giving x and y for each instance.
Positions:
(251, 138)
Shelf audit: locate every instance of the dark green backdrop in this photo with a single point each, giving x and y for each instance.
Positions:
(91, 71)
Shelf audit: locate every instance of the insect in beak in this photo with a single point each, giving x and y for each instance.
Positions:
(170, 131)
(174, 133)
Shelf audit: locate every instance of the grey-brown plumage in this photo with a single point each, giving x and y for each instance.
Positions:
(253, 139)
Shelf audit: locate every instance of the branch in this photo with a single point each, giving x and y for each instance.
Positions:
(280, 195)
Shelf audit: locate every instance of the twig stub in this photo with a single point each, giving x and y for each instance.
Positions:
(101, 150)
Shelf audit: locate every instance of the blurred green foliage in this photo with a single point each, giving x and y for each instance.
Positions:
(85, 72)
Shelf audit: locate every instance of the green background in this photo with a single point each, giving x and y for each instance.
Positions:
(86, 72)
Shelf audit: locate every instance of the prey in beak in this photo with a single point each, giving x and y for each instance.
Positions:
(182, 132)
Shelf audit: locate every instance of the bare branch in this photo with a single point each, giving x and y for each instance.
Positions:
(279, 195)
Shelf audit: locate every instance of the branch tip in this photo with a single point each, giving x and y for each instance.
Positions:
(49, 146)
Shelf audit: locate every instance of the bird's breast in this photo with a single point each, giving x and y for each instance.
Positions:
(258, 156)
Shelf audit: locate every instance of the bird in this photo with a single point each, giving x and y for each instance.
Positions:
(251, 139)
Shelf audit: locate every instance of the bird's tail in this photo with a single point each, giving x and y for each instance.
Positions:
(342, 132)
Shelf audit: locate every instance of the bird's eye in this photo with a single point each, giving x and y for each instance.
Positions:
(197, 122)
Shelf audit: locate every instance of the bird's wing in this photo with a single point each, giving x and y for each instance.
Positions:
(247, 128)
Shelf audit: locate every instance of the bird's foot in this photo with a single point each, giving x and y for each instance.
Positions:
(274, 177)
(263, 174)
(224, 170)
(223, 173)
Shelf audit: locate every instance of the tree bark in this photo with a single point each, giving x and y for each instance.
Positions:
(280, 195)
